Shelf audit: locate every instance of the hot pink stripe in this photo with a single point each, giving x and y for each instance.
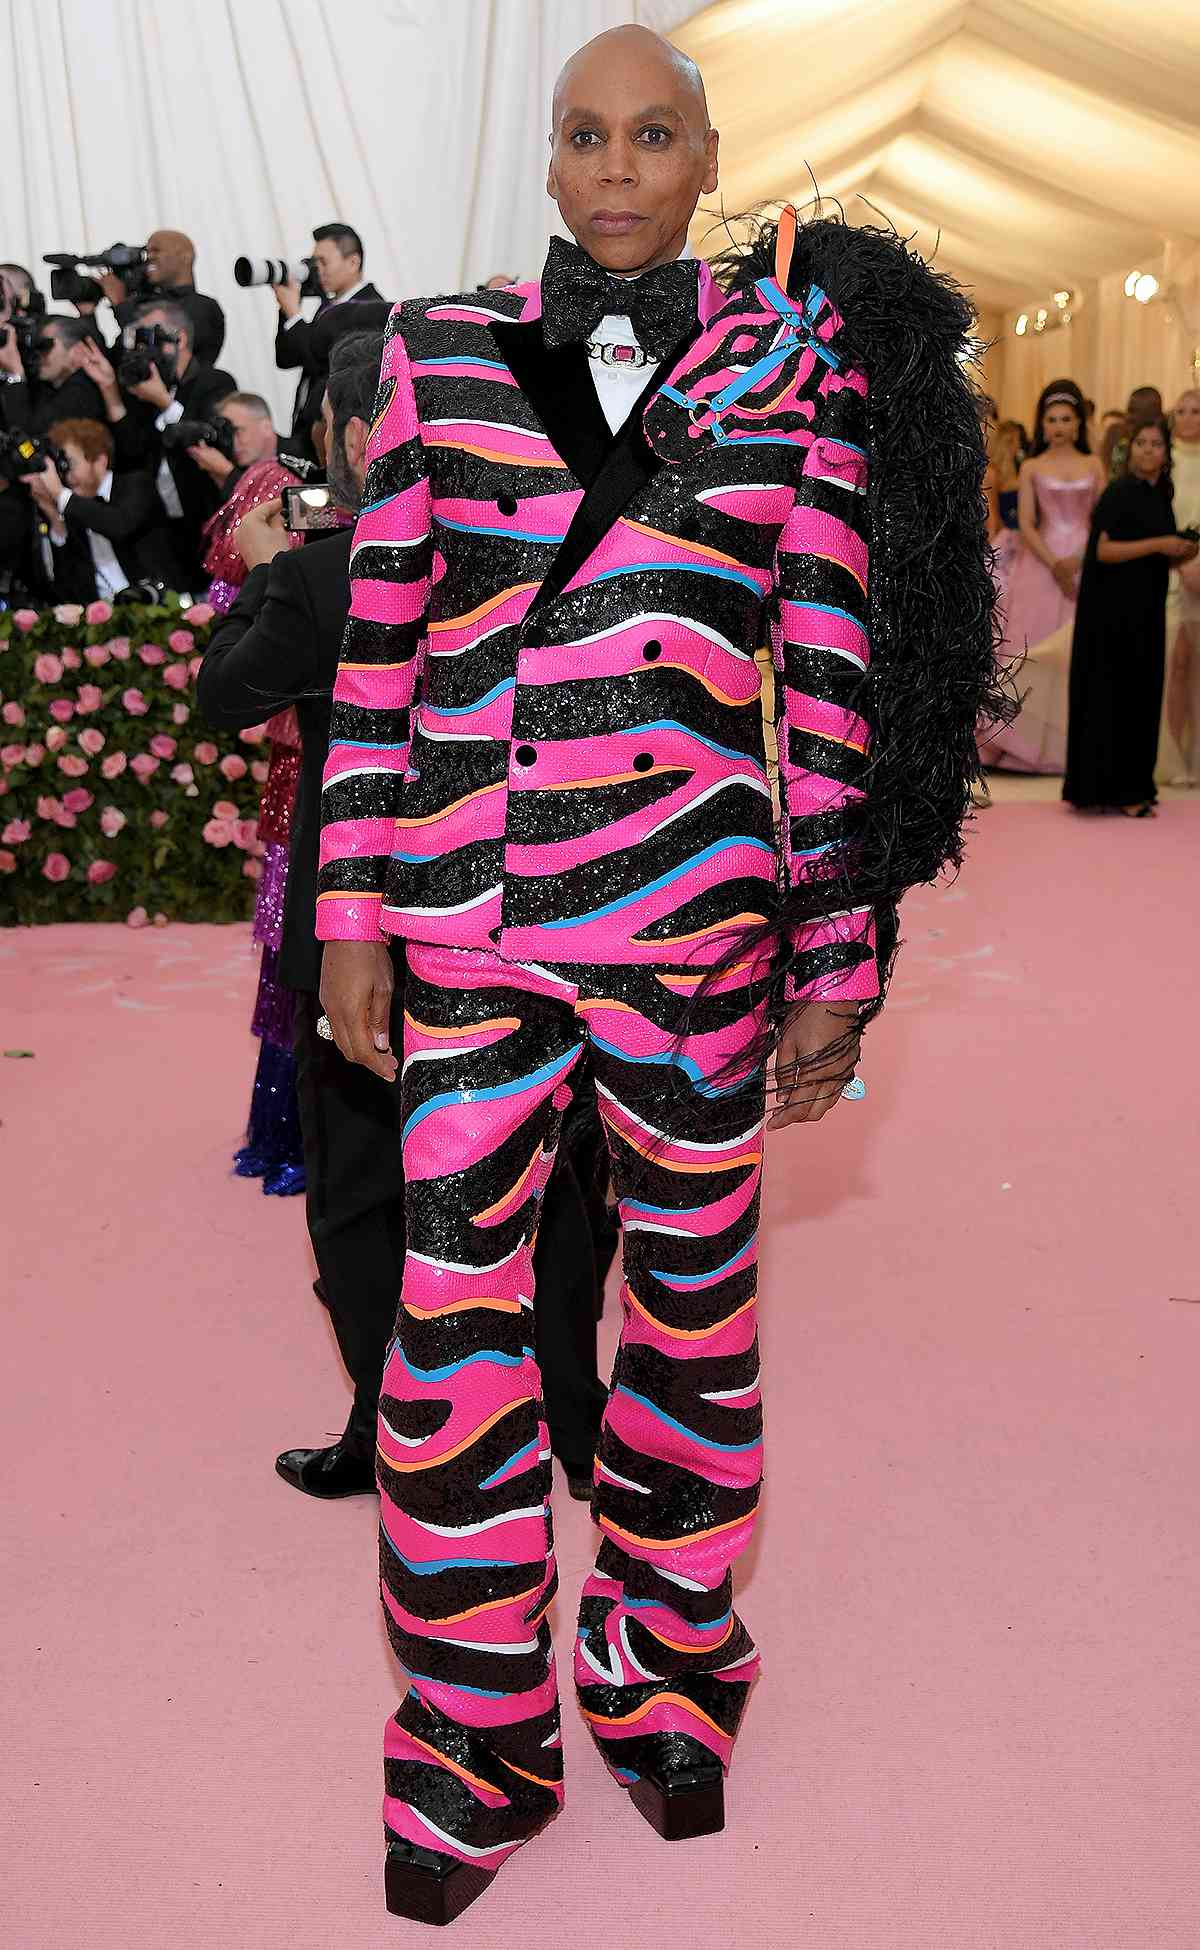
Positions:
(810, 626)
(812, 531)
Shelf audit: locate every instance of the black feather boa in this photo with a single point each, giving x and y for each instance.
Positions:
(934, 675)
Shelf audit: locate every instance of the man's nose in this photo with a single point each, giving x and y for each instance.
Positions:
(620, 162)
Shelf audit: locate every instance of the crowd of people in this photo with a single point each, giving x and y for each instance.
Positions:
(1094, 534)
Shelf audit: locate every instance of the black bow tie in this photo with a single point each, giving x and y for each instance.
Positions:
(577, 293)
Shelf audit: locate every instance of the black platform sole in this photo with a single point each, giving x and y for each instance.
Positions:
(427, 1887)
(682, 1807)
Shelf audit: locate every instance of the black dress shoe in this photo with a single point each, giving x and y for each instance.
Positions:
(332, 1472)
(428, 1887)
(682, 1802)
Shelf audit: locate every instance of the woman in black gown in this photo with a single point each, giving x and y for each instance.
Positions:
(1118, 652)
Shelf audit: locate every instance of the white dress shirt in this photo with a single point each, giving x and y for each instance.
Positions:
(110, 576)
(619, 386)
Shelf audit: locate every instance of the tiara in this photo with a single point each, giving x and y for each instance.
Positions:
(1060, 399)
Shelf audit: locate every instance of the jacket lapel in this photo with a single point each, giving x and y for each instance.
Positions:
(558, 385)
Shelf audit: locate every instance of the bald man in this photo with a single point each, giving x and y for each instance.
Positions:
(589, 500)
(170, 267)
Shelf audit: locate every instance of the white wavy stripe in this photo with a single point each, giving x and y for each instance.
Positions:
(458, 737)
(625, 1482)
(453, 1845)
(741, 487)
(496, 426)
(362, 772)
(430, 1055)
(474, 1529)
(486, 1645)
(676, 1577)
(405, 1441)
(733, 1394)
(645, 618)
(389, 541)
(798, 643)
(623, 1631)
(452, 1266)
(470, 311)
(684, 1144)
(835, 480)
(611, 1675)
(462, 907)
(473, 644)
(709, 792)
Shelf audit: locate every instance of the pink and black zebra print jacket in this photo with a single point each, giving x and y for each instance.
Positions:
(547, 732)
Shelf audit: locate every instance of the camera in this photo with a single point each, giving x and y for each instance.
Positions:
(250, 271)
(127, 261)
(27, 453)
(25, 325)
(147, 346)
(308, 510)
(183, 434)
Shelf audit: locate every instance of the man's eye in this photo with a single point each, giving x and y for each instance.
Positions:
(656, 137)
(583, 138)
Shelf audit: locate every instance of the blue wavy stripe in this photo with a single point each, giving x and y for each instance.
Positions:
(465, 710)
(663, 1211)
(653, 1604)
(365, 745)
(684, 568)
(511, 534)
(665, 880)
(826, 609)
(702, 1279)
(704, 1441)
(480, 1692)
(427, 1567)
(461, 359)
(530, 1449)
(468, 1361)
(673, 724)
(370, 507)
(547, 1074)
(687, 1064)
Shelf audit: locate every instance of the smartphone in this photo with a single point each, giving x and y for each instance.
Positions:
(310, 508)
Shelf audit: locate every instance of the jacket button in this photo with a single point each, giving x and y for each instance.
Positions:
(652, 650)
(526, 755)
(507, 504)
(643, 762)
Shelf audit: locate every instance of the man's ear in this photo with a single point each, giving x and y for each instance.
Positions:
(355, 443)
(551, 179)
(712, 143)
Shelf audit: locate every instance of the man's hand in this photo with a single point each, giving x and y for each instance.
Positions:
(211, 461)
(261, 536)
(153, 391)
(112, 287)
(287, 297)
(98, 367)
(45, 488)
(1177, 548)
(806, 1094)
(357, 980)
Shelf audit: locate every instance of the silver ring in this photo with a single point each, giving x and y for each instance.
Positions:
(325, 1028)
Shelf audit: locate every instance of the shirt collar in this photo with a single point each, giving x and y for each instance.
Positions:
(104, 491)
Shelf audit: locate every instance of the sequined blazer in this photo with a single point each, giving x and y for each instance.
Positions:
(547, 732)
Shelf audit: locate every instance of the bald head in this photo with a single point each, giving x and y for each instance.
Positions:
(632, 150)
(170, 256)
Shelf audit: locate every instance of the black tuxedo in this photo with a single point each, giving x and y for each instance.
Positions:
(139, 445)
(208, 320)
(298, 346)
(280, 645)
(34, 408)
(132, 521)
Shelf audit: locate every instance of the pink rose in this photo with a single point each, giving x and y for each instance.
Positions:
(247, 835)
(199, 614)
(78, 799)
(112, 819)
(183, 774)
(225, 809)
(74, 768)
(89, 697)
(158, 820)
(176, 675)
(13, 713)
(47, 808)
(206, 753)
(160, 921)
(91, 741)
(11, 755)
(97, 655)
(113, 765)
(62, 710)
(16, 831)
(25, 620)
(135, 703)
(8, 862)
(68, 614)
(181, 641)
(233, 767)
(144, 767)
(35, 753)
(65, 819)
(47, 668)
(180, 714)
(260, 771)
(100, 871)
(152, 653)
(71, 658)
(252, 869)
(137, 917)
(98, 613)
(118, 647)
(162, 746)
(253, 734)
(219, 832)
(56, 738)
(56, 866)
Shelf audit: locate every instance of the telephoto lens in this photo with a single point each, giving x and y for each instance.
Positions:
(249, 271)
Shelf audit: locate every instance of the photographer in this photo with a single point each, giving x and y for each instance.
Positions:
(104, 531)
(338, 264)
(170, 263)
(60, 389)
(161, 383)
(254, 439)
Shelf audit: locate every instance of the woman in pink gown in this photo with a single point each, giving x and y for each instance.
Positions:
(1060, 484)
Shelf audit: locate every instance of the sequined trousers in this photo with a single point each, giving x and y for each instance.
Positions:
(473, 1755)
(272, 1150)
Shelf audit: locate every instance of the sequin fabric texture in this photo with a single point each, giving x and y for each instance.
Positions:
(663, 1664)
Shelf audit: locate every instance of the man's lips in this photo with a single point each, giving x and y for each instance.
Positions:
(616, 223)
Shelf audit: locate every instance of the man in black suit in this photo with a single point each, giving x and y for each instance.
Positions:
(179, 387)
(338, 261)
(61, 390)
(279, 645)
(101, 531)
(170, 275)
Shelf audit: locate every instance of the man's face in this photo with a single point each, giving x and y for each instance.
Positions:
(631, 152)
(337, 271)
(253, 437)
(178, 341)
(55, 360)
(166, 263)
(85, 475)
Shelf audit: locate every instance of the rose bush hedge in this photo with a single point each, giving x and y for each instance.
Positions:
(116, 802)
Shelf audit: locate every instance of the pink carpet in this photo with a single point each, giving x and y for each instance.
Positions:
(977, 1581)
